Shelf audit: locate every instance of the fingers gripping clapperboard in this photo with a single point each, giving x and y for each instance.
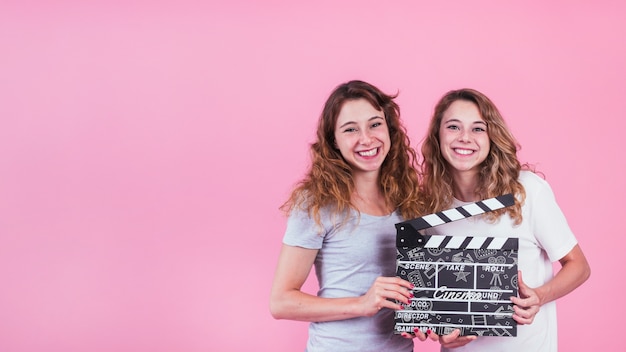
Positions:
(461, 282)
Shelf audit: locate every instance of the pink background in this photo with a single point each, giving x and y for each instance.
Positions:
(145, 148)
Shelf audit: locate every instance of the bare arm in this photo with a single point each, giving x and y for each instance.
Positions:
(287, 301)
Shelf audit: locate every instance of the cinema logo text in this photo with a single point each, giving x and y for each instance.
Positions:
(442, 293)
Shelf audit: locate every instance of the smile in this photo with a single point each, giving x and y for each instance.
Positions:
(370, 152)
(463, 151)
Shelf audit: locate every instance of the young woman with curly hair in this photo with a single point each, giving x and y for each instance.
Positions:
(470, 155)
(361, 182)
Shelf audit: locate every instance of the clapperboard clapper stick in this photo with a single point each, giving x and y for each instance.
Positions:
(408, 234)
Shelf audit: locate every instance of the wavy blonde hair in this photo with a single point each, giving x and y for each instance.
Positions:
(329, 183)
(498, 173)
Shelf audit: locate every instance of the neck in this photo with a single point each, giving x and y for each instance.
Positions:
(366, 184)
(464, 187)
(368, 197)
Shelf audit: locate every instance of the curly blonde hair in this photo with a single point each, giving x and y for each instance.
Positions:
(498, 173)
(329, 183)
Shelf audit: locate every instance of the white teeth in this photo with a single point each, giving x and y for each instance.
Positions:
(371, 152)
(464, 151)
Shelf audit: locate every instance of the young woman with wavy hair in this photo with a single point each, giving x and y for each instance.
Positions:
(341, 217)
(469, 154)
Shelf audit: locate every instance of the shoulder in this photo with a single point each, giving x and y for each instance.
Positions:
(531, 180)
(304, 216)
(536, 187)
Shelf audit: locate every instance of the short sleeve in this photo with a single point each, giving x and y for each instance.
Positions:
(303, 231)
(548, 222)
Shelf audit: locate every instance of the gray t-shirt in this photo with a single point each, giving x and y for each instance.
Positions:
(350, 258)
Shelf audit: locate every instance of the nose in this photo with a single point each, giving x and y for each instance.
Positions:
(464, 136)
(365, 138)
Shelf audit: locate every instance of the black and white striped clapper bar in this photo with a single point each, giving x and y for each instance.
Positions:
(408, 232)
(461, 282)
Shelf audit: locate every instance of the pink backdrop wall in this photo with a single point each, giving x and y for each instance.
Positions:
(146, 146)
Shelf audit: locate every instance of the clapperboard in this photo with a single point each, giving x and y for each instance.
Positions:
(461, 282)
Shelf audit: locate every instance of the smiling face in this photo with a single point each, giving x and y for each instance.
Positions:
(362, 136)
(463, 137)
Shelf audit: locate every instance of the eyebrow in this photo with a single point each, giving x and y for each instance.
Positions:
(457, 120)
(370, 119)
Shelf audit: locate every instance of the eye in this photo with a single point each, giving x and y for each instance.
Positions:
(376, 124)
(349, 130)
(452, 127)
(479, 129)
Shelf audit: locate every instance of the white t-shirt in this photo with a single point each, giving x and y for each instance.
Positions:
(350, 258)
(544, 237)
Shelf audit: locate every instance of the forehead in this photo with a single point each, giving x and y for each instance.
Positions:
(462, 110)
(357, 110)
